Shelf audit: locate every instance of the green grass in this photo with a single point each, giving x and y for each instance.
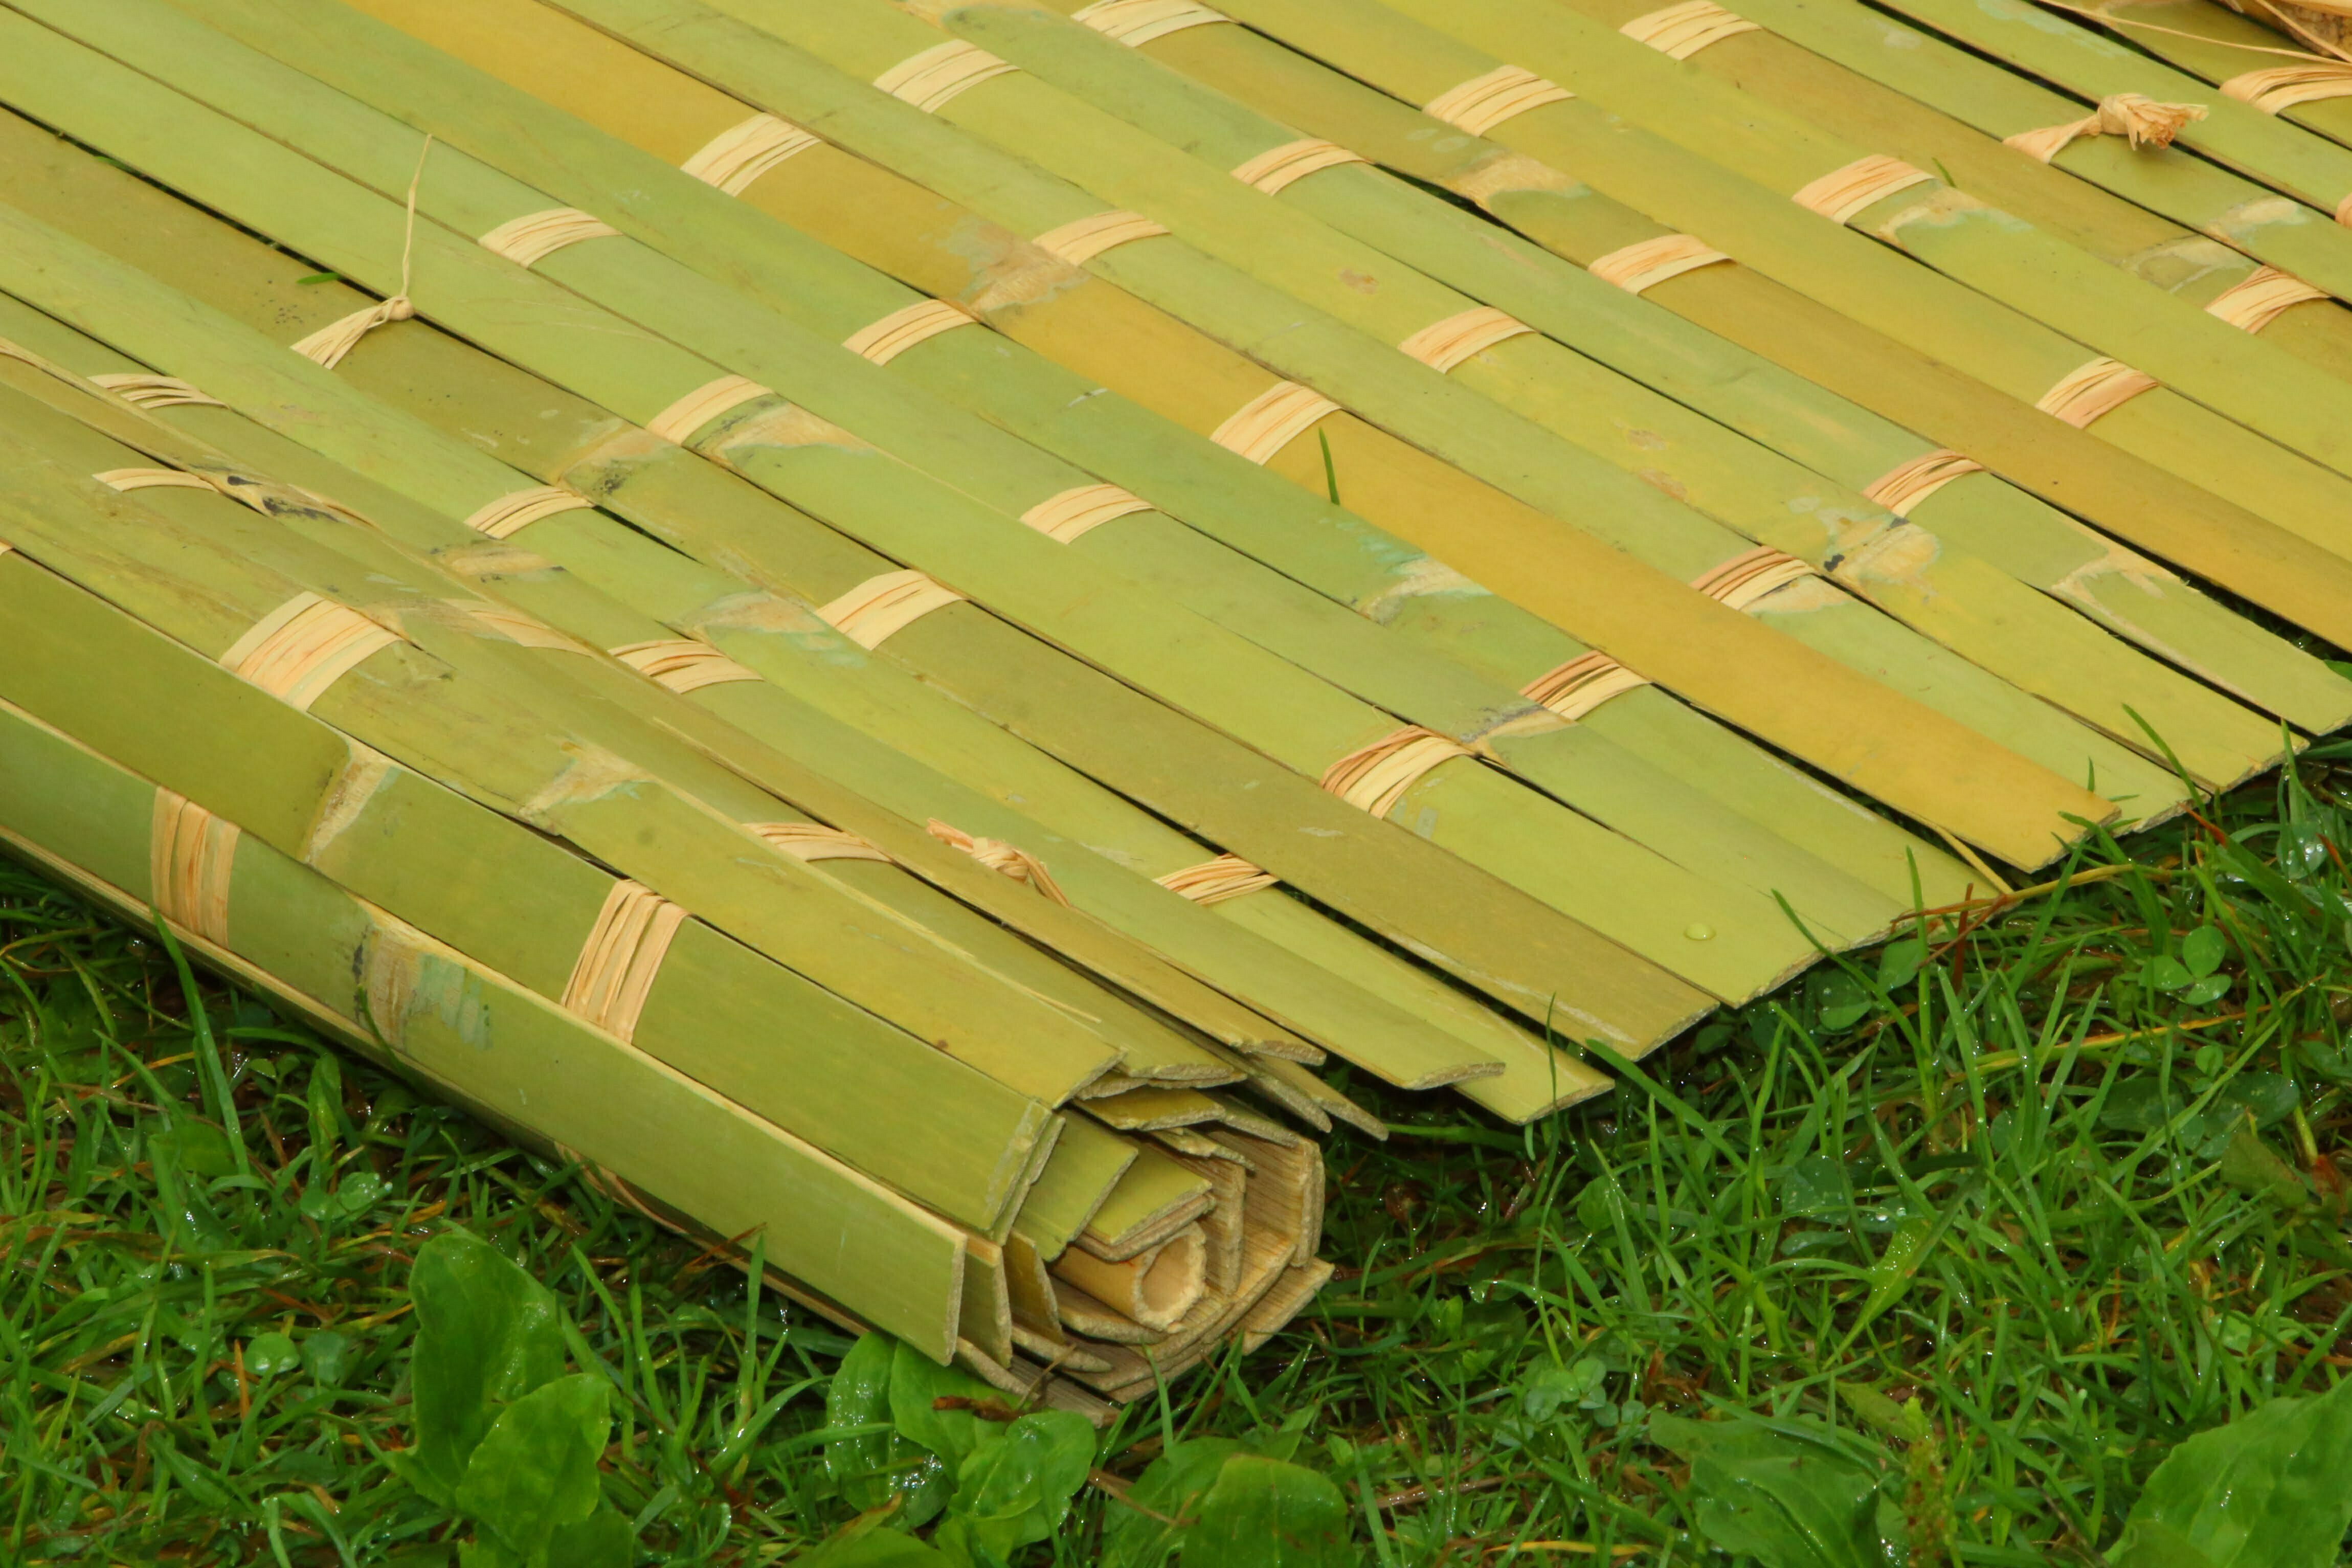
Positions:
(1990, 1168)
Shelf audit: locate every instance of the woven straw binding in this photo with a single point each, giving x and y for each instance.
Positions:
(2142, 120)
(1444, 344)
(815, 841)
(2281, 88)
(999, 855)
(622, 955)
(1272, 420)
(1374, 778)
(739, 156)
(190, 858)
(1277, 168)
(516, 627)
(2093, 391)
(1215, 881)
(1080, 242)
(1582, 684)
(303, 646)
(127, 479)
(1486, 101)
(2344, 212)
(682, 664)
(510, 515)
(142, 391)
(1906, 484)
(703, 405)
(1840, 194)
(533, 238)
(881, 607)
(1647, 263)
(1682, 31)
(1075, 513)
(1749, 575)
(2264, 295)
(1135, 23)
(327, 345)
(928, 80)
(899, 331)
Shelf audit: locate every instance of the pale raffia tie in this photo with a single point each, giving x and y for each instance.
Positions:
(1681, 31)
(1647, 263)
(1000, 857)
(1215, 881)
(680, 420)
(511, 514)
(618, 965)
(1272, 420)
(1135, 23)
(1080, 242)
(191, 856)
(1279, 168)
(1908, 483)
(813, 841)
(1075, 513)
(736, 158)
(2281, 88)
(882, 606)
(928, 80)
(901, 329)
(1374, 778)
(2142, 120)
(143, 391)
(2261, 298)
(533, 238)
(329, 344)
(129, 480)
(303, 646)
(1486, 101)
(1582, 684)
(1441, 346)
(682, 664)
(2091, 392)
(1842, 195)
(1748, 577)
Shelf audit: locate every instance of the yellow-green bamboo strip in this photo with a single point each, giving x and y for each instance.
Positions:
(1118, 164)
(1925, 581)
(472, 1035)
(1087, 1160)
(683, 499)
(1967, 332)
(273, 770)
(1507, 830)
(1083, 321)
(1922, 98)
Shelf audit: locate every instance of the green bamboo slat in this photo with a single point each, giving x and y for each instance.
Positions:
(1063, 412)
(274, 770)
(1743, 948)
(735, 56)
(1415, 896)
(1086, 1166)
(2220, 46)
(1922, 98)
(1957, 600)
(1986, 342)
(475, 1036)
(1084, 323)
(1749, 392)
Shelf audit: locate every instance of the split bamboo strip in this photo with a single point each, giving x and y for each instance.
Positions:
(291, 780)
(1507, 830)
(1920, 579)
(2262, 387)
(663, 489)
(2240, 54)
(1038, 297)
(1840, 438)
(687, 220)
(705, 43)
(470, 1034)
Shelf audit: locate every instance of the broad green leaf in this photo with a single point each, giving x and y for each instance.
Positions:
(2213, 988)
(871, 1470)
(2271, 1489)
(268, 1355)
(866, 1547)
(1903, 1423)
(603, 1540)
(1792, 1494)
(486, 1335)
(2203, 951)
(1171, 1487)
(535, 1471)
(1016, 1484)
(324, 1352)
(1900, 962)
(1263, 1513)
(2249, 1165)
(2167, 973)
(916, 1384)
(1545, 1389)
